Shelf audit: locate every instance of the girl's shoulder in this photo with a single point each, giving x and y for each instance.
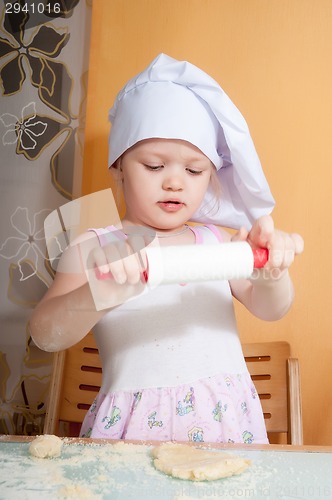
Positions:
(105, 235)
(80, 246)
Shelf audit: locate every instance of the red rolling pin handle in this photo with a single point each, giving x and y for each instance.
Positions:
(261, 256)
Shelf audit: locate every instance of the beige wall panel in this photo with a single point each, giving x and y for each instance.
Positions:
(273, 58)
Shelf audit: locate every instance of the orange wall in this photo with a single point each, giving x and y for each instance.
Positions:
(273, 58)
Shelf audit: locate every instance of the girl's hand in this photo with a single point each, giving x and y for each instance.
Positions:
(122, 256)
(119, 262)
(282, 246)
(116, 271)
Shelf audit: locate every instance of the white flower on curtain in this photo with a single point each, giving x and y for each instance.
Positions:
(29, 243)
(23, 130)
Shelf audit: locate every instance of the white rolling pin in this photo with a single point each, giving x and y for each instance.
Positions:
(194, 263)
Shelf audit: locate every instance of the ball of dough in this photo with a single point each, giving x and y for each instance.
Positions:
(46, 446)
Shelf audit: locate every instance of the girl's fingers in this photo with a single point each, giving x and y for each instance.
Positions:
(289, 253)
(115, 263)
(283, 248)
(240, 235)
(276, 246)
(262, 231)
(120, 259)
(132, 269)
(138, 243)
(298, 243)
(99, 259)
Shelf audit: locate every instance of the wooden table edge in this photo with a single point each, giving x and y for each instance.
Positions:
(5, 438)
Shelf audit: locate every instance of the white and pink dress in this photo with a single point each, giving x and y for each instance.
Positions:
(173, 367)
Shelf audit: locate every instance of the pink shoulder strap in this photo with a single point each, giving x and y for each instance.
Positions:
(102, 233)
(215, 231)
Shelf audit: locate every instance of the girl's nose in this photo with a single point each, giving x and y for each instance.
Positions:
(173, 181)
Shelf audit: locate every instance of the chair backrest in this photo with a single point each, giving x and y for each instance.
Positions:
(277, 380)
(76, 380)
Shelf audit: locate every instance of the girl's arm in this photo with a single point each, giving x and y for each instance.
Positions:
(69, 310)
(269, 293)
(65, 314)
(265, 297)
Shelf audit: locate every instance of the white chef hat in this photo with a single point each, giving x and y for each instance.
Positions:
(173, 99)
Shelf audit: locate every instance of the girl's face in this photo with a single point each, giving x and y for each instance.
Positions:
(164, 182)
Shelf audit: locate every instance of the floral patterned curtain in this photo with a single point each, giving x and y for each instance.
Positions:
(43, 75)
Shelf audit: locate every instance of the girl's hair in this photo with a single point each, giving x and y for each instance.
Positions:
(206, 210)
(216, 189)
(118, 191)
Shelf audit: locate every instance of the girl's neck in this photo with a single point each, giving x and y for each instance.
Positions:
(171, 233)
(166, 235)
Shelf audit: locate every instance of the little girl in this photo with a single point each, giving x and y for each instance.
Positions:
(173, 368)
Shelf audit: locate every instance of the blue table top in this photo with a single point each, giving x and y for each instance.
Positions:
(88, 470)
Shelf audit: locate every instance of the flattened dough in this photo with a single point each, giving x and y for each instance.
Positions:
(46, 446)
(186, 462)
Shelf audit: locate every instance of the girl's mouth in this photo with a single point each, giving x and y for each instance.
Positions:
(171, 205)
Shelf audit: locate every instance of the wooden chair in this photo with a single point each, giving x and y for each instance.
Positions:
(75, 382)
(277, 379)
(76, 379)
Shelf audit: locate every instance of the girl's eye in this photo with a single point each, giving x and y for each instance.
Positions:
(153, 167)
(194, 172)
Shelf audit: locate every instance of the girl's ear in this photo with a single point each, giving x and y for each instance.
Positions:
(116, 171)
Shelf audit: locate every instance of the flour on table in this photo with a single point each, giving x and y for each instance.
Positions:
(186, 462)
(46, 446)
